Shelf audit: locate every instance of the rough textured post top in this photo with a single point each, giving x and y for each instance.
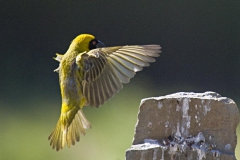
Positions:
(186, 124)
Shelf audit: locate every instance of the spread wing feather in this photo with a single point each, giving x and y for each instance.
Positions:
(107, 68)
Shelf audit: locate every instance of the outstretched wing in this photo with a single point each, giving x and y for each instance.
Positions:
(105, 69)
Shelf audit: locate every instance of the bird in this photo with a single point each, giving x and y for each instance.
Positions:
(90, 74)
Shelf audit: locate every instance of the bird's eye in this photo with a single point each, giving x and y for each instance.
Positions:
(93, 43)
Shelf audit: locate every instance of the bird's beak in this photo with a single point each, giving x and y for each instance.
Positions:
(100, 44)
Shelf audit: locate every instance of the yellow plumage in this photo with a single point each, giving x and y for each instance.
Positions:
(89, 75)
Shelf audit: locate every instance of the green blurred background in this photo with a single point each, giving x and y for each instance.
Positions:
(200, 41)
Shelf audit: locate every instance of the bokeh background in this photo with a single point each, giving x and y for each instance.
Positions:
(201, 52)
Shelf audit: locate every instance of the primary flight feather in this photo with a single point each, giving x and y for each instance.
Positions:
(90, 74)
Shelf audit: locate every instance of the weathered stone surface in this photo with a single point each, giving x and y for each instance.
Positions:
(180, 115)
(148, 151)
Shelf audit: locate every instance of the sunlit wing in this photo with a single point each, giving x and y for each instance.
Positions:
(107, 68)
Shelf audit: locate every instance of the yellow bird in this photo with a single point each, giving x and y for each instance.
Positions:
(90, 74)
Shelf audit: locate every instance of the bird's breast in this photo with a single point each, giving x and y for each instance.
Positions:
(70, 84)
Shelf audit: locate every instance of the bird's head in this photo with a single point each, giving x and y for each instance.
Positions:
(85, 42)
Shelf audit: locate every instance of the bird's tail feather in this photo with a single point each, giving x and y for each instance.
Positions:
(67, 132)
